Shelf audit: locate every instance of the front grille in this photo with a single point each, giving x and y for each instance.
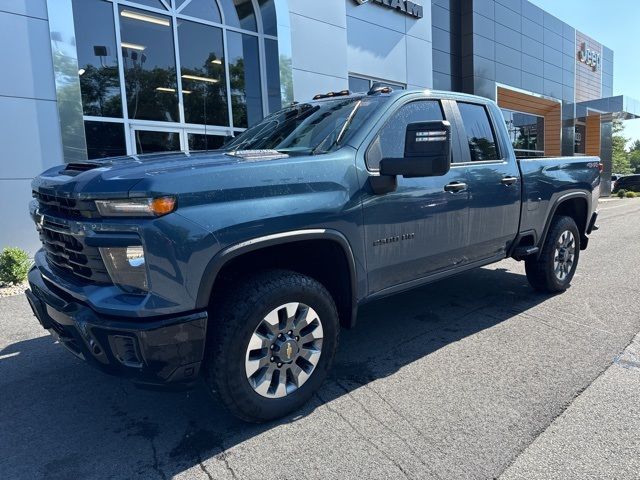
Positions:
(69, 256)
(65, 207)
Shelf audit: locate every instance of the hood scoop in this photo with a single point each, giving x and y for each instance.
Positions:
(73, 169)
(257, 155)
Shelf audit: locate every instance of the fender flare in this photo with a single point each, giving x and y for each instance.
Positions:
(552, 212)
(229, 253)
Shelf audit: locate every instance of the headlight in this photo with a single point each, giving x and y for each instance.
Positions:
(137, 207)
(126, 267)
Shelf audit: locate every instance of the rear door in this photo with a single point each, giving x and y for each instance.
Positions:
(494, 182)
(420, 228)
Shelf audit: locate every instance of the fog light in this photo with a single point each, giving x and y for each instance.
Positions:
(126, 267)
(135, 256)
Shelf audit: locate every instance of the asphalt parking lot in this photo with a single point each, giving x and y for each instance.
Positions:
(474, 377)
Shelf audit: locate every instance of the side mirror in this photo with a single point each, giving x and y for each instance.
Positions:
(427, 152)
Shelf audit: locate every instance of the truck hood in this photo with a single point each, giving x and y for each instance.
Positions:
(116, 177)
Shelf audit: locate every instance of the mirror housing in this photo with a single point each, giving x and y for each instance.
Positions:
(427, 151)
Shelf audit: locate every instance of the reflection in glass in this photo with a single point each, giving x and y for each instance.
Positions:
(105, 139)
(309, 128)
(580, 138)
(152, 142)
(204, 9)
(239, 14)
(482, 142)
(269, 20)
(198, 141)
(359, 84)
(390, 142)
(149, 65)
(151, 3)
(97, 58)
(526, 132)
(203, 75)
(274, 91)
(244, 71)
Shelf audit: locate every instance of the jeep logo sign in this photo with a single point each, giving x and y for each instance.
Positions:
(589, 57)
(404, 6)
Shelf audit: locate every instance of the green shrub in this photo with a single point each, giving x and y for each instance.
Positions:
(14, 266)
(630, 195)
(621, 193)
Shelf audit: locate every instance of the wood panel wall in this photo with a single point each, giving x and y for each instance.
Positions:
(592, 147)
(550, 110)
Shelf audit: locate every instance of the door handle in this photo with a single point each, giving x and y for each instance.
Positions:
(508, 181)
(455, 187)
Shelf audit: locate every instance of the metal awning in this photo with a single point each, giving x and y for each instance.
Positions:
(621, 106)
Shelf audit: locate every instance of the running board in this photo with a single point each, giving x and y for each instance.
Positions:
(523, 252)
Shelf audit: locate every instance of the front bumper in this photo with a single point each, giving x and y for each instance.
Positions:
(160, 351)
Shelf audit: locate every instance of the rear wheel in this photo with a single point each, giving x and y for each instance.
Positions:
(273, 342)
(554, 269)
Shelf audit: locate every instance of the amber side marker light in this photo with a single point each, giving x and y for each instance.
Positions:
(163, 205)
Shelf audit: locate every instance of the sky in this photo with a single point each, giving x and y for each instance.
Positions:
(616, 24)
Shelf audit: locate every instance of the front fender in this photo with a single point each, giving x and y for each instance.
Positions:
(216, 264)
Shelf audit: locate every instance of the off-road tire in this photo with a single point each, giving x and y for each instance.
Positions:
(541, 270)
(233, 322)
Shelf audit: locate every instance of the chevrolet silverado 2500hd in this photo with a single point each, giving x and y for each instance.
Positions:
(239, 266)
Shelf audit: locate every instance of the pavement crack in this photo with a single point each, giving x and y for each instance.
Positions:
(224, 457)
(374, 417)
(204, 469)
(363, 437)
(564, 408)
(156, 463)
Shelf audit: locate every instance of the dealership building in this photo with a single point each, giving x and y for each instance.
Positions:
(87, 79)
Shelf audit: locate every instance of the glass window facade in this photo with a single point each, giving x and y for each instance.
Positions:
(97, 58)
(244, 70)
(149, 65)
(526, 132)
(202, 72)
(360, 84)
(164, 75)
(580, 138)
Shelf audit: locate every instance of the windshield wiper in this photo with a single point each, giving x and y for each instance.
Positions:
(347, 123)
(340, 135)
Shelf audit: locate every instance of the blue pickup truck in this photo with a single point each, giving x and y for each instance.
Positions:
(240, 266)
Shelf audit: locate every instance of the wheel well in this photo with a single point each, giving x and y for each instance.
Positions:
(575, 208)
(324, 260)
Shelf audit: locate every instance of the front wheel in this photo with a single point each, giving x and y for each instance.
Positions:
(554, 269)
(273, 342)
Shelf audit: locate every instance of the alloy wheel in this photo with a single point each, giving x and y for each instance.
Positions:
(284, 350)
(564, 255)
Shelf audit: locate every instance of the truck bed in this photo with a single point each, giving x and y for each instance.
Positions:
(545, 180)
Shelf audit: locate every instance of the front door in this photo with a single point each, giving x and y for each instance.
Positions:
(421, 228)
(494, 184)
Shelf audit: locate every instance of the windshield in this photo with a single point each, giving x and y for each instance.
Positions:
(308, 128)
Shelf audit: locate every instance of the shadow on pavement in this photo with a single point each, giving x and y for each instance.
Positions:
(62, 419)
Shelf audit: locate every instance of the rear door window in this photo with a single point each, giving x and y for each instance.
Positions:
(480, 135)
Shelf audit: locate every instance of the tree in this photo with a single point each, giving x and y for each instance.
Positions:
(634, 156)
(621, 163)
